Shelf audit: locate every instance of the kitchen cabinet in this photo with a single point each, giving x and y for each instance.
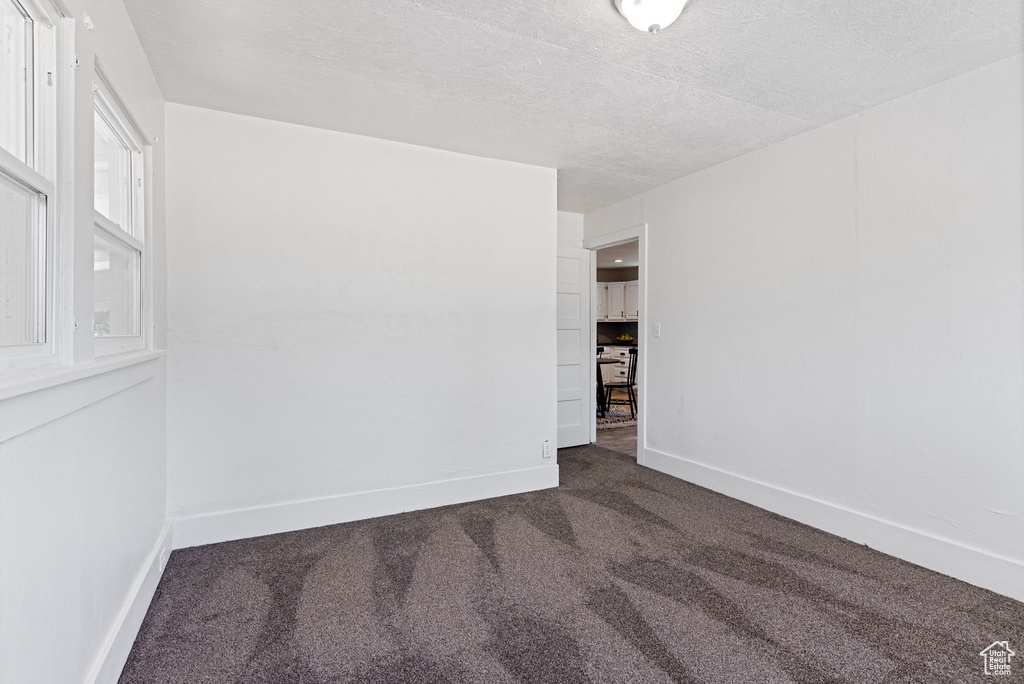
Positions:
(618, 372)
(632, 296)
(616, 306)
(617, 301)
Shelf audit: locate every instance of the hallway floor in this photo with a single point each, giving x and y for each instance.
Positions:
(622, 440)
(621, 574)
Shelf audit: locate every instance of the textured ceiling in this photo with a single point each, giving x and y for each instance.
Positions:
(568, 83)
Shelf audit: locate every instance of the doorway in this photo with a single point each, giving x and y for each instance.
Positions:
(618, 297)
(616, 318)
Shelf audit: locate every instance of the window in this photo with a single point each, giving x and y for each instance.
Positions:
(113, 173)
(15, 60)
(117, 270)
(28, 45)
(119, 249)
(22, 269)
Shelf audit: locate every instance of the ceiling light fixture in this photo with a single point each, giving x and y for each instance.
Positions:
(618, 261)
(650, 15)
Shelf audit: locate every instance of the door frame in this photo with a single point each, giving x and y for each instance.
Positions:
(618, 237)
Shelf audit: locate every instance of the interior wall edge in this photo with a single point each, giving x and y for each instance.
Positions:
(972, 565)
(275, 518)
(113, 655)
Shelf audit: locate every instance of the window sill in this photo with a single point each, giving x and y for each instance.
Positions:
(26, 382)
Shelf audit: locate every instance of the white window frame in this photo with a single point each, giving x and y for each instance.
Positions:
(38, 174)
(134, 235)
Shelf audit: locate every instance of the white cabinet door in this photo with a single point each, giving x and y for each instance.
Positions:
(575, 353)
(601, 293)
(633, 300)
(616, 301)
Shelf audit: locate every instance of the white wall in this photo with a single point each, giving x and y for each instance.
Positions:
(83, 447)
(843, 329)
(570, 229)
(349, 317)
(81, 526)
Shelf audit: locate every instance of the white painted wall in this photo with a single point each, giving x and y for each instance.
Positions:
(843, 326)
(355, 326)
(570, 229)
(81, 523)
(83, 448)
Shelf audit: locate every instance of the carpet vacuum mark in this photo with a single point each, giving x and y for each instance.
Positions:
(622, 574)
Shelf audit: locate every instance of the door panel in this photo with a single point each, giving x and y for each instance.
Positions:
(575, 357)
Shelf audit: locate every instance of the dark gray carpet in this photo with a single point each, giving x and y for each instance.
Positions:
(622, 574)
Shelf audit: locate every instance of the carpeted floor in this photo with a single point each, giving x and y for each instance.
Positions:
(622, 574)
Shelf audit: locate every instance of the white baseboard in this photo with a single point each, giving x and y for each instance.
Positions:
(289, 516)
(113, 654)
(976, 566)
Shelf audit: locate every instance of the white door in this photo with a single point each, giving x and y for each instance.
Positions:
(633, 300)
(575, 355)
(616, 307)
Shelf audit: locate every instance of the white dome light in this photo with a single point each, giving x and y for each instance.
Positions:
(650, 15)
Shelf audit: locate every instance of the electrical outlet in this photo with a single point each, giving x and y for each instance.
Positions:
(657, 329)
(547, 448)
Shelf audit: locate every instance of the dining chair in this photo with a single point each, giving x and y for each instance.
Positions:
(629, 387)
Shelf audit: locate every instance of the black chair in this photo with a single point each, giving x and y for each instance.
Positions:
(629, 387)
(600, 386)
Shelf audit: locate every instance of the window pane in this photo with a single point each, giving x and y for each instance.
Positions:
(22, 294)
(117, 280)
(15, 39)
(112, 175)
